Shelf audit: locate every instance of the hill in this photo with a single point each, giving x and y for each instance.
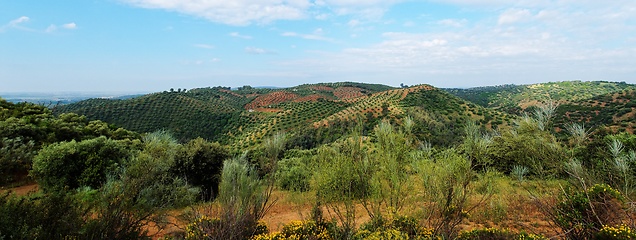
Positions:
(516, 98)
(616, 110)
(592, 103)
(244, 116)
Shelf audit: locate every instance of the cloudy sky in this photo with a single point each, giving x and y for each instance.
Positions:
(154, 45)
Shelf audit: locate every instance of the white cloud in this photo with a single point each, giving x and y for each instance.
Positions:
(559, 41)
(511, 16)
(234, 12)
(316, 35)
(238, 35)
(68, 26)
(19, 20)
(71, 25)
(353, 23)
(245, 12)
(457, 23)
(16, 23)
(51, 28)
(204, 46)
(258, 51)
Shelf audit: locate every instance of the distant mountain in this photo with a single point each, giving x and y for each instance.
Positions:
(244, 116)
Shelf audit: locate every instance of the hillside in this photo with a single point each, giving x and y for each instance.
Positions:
(616, 110)
(515, 98)
(593, 103)
(244, 116)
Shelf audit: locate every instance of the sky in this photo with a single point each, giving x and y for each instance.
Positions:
(155, 45)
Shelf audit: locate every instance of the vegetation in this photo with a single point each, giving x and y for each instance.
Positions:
(360, 161)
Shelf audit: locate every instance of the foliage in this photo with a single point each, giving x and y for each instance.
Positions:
(293, 174)
(48, 216)
(528, 145)
(342, 179)
(77, 164)
(15, 158)
(389, 168)
(447, 187)
(620, 232)
(25, 128)
(402, 226)
(580, 214)
(243, 200)
(140, 195)
(519, 172)
(497, 234)
(300, 230)
(199, 162)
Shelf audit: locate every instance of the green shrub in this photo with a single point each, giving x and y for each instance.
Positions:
(293, 174)
(582, 213)
(387, 234)
(40, 216)
(77, 164)
(620, 232)
(200, 163)
(16, 158)
(407, 226)
(497, 234)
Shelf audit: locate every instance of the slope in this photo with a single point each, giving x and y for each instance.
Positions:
(516, 98)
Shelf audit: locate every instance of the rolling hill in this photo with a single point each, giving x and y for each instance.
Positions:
(515, 98)
(243, 117)
(592, 103)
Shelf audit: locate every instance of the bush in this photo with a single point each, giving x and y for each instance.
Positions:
(620, 232)
(77, 164)
(139, 195)
(15, 159)
(293, 174)
(406, 226)
(200, 163)
(243, 201)
(447, 186)
(580, 214)
(48, 216)
(496, 234)
(387, 234)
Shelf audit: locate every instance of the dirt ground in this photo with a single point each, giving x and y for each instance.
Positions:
(521, 215)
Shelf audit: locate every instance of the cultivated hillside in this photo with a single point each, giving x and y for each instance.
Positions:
(592, 103)
(244, 116)
(514, 98)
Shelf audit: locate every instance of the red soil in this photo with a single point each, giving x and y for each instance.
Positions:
(270, 98)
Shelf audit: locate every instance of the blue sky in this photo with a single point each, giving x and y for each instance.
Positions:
(155, 45)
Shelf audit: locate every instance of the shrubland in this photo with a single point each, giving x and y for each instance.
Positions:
(426, 173)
